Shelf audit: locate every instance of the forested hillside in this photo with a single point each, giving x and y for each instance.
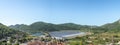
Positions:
(113, 27)
(8, 32)
(42, 26)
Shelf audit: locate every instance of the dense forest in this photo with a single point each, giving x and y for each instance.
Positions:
(42, 26)
(113, 27)
(8, 32)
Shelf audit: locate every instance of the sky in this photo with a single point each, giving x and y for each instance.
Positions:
(84, 12)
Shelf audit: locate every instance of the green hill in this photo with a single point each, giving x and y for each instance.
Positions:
(8, 32)
(42, 26)
(115, 26)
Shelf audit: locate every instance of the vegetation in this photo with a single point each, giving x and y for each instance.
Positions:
(113, 27)
(97, 39)
(102, 35)
(9, 36)
(42, 26)
(8, 32)
(109, 36)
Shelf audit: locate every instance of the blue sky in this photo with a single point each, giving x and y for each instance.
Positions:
(85, 12)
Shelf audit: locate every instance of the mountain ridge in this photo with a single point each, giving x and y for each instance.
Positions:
(43, 26)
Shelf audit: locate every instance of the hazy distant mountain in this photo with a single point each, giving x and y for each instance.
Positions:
(8, 32)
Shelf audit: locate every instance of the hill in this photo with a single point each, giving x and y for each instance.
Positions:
(114, 27)
(43, 26)
(8, 32)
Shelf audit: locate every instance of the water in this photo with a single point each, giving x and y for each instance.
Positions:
(62, 34)
(66, 33)
(37, 34)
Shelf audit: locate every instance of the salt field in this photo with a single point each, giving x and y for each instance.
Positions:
(66, 34)
(63, 34)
